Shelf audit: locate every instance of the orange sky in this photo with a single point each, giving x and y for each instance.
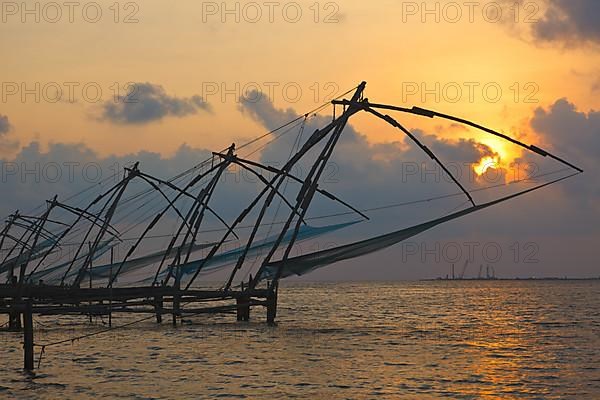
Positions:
(171, 45)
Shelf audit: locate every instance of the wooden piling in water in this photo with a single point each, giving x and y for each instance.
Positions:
(14, 321)
(176, 307)
(271, 307)
(158, 306)
(243, 308)
(177, 297)
(28, 337)
(90, 272)
(112, 255)
(14, 317)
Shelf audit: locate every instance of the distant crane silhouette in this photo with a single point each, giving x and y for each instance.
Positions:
(493, 274)
(464, 269)
(462, 272)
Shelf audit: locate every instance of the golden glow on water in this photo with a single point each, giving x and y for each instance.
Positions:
(450, 339)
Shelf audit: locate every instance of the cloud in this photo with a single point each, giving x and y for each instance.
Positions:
(569, 21)
(149, 103)
(576, 135)
(260, 108)
(572, 131)
(35, 174)
(4, 125)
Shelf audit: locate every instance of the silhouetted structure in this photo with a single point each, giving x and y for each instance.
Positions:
(168, 278)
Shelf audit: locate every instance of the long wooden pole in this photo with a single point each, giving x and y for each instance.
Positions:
(90, 272)
(28, 337)
(112, 254)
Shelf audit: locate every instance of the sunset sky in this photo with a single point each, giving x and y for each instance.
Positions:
(188, 63)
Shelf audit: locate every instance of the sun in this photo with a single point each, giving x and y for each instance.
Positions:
(502, 155)
(485, 163)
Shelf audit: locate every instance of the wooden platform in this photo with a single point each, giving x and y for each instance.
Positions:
(21, 302)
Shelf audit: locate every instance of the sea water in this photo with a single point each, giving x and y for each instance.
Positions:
(407, 340)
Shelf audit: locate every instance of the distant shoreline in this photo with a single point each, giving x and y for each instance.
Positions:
(509, 279)
(440, 279)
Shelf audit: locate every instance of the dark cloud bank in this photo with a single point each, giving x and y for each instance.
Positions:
(4, 125)
(570, 21)
(148, 103)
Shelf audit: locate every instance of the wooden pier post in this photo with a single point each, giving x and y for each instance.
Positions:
(176, 296)
(28, 337)
(14, 317)
(110, 297)
(158, 306)
(90, 272)
(272, 306)
(176, 310)
(14, 321)
(243, 308)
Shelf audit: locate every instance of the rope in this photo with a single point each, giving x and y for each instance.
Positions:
(71, 340)
(42, 351)
(295, 146)
(365, 210)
